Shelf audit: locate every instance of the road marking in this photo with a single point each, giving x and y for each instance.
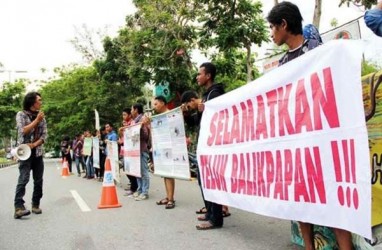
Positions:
(80, 202)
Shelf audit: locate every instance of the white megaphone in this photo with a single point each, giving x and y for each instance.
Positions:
(22, 152)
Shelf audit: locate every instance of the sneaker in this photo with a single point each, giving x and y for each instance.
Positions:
(36, 210)
(128, 193)
(135, 194)
(142, 197)
(20, 212)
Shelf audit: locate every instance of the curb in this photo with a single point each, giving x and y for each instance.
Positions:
(4, 165)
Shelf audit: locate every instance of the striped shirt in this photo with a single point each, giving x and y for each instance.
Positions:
(24, 118)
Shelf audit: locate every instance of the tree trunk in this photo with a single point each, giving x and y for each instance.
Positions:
(317, 14)
(276, 2)
(249, 63)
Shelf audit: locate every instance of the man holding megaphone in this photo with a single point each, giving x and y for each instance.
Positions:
(32, 133)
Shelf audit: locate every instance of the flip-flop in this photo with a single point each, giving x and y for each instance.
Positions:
(203, 210)
(226, 214)
(202, 218)
(170, 204)
(206, 226)
(164, 201)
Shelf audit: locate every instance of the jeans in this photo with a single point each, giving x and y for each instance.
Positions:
(144, 180)
(89, 167)
(78, 160)
(133, 183)
(35, 164)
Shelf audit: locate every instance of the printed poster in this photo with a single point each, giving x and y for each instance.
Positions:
(169, 145)
(112, 153)
(132, 150)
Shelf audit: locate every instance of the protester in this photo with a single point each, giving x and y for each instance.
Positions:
(286, 28)
(142, 192)
(65, 151)
(111, 136)
(373, 19)
(205, 78)
(32, 130)
(127, 121)
(102, 153)
(89, 158)
(160, 107)
(77, 153)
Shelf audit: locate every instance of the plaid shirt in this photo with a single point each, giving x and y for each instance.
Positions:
(22, 120)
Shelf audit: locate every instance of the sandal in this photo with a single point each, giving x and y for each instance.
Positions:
(170, 204)
(206, 226)
(202, 218)
(226, 214)
(163, 202)
(203, 210)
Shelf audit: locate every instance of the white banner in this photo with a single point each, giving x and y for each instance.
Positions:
(96, 152)
(112, 153)
(169, 145)
(97, 126)
(293, 144)
(347, 31)
(132, 150)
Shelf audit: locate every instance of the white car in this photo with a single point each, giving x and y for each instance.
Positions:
(49, 154)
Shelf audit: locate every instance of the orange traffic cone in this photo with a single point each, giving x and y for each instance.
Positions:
(65, 169)
(109, 197)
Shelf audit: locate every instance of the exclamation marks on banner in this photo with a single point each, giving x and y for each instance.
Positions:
(346, 152)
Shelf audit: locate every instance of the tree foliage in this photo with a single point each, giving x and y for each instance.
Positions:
(69, 102)
(232, 67)
(11, 97)
(157, 42)
(369, 67)
(233, 24)
(366, 3)
(88, 43)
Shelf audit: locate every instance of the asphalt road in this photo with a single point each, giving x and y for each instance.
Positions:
(136, 225)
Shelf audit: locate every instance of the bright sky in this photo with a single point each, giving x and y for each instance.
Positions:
(36, 33)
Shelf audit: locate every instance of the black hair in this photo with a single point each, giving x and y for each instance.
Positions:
(290, 13)
(102, 128)
(30, 99)
(161, 99)
(209, 68)
(127, 111)
(66, 138)
(187, 95)
(138, 107)
(110, 124)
